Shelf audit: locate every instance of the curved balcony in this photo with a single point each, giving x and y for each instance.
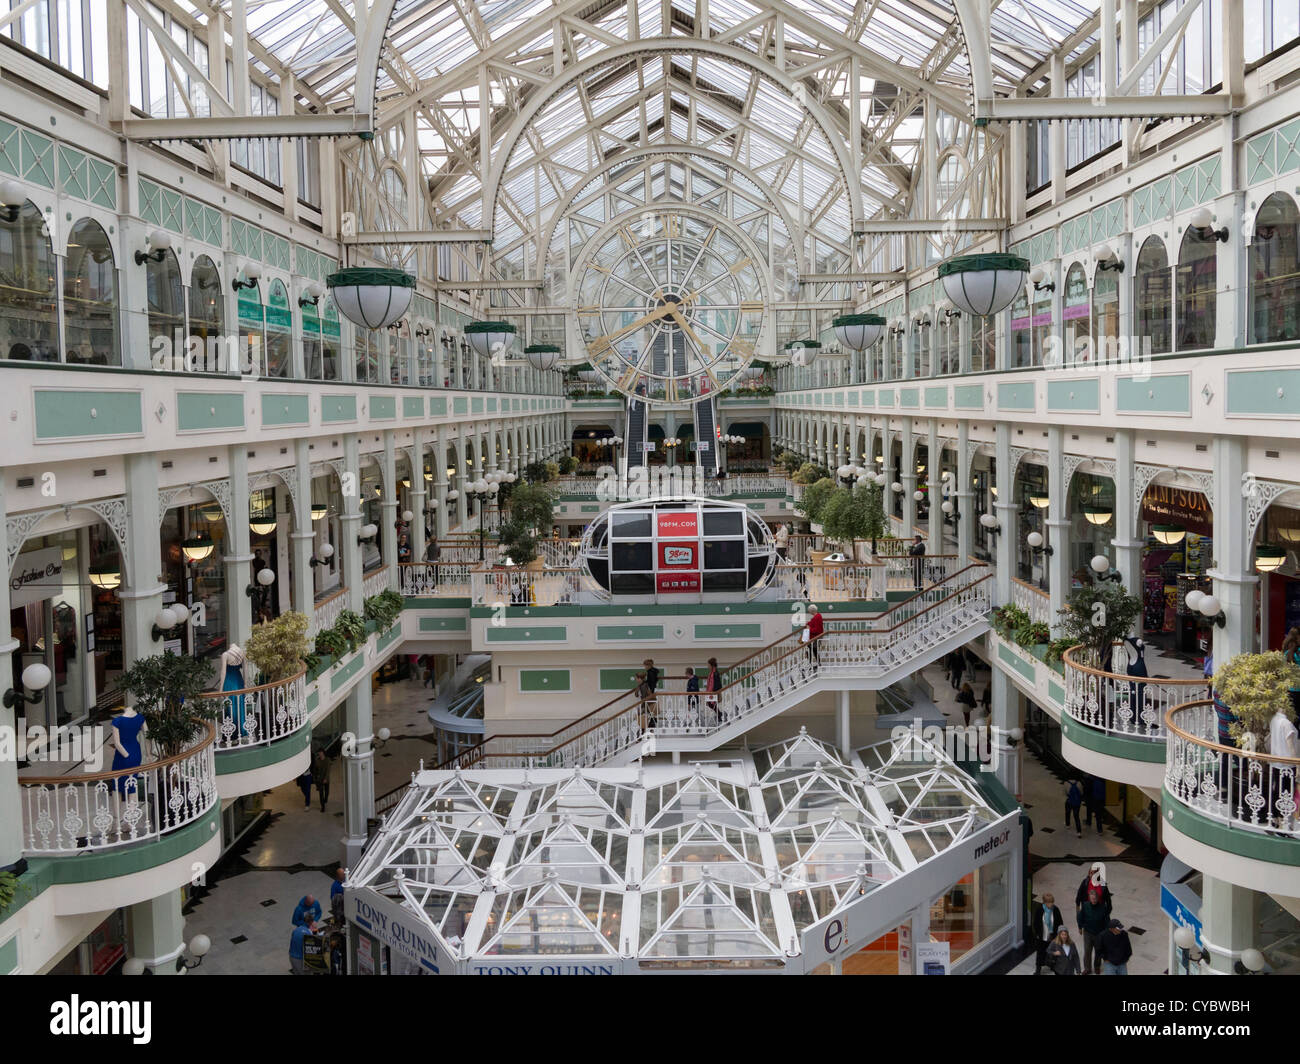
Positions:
(73, 815)
(1227, 809)
(252, 716)
(1114, 724)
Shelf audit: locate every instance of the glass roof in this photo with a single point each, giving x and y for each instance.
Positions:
(679, 867)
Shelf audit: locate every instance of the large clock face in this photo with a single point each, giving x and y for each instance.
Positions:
(670, 305)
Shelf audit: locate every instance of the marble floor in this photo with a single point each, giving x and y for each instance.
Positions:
(246, 907)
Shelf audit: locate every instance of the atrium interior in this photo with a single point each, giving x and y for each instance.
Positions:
(675, 486)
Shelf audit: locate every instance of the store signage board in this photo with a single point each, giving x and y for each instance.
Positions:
(933, 958)
(399, 927)
(886, 907)
(36, 575)
(677, 553)
(1179, 913)
(1165, 505)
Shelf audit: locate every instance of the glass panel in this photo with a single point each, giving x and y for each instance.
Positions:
(27, 296)
(90, 297)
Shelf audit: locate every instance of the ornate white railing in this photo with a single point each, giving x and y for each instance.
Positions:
(746, 484)
(379, 580)
(1243, 789)
(578, 487)
(559, 553)
(1121, 705)
(527, 587)
(1033, 600)
(420, 579)
(79, 814)
(911, 574)
(262, 714)
(853, 647)
(327, 611)
(830, 582)
(468, 553)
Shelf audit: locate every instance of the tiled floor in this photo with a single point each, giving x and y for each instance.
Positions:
(246, 908)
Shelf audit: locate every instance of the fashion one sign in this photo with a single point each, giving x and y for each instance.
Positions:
(37, 575)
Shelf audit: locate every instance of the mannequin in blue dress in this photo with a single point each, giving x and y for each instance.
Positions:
(1137, 666)
(232, 679)
(128, 729)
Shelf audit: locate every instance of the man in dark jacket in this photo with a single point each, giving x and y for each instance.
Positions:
(1115, 949)
(1094, 920)
(1046, 922)
(917, 553)
(1094, 799)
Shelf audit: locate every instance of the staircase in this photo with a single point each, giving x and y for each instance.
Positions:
(855, 653)
(707, 461)
(634, 445)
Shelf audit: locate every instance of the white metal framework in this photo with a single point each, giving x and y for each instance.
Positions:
(722, 865)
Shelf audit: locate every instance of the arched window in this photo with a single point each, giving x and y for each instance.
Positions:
(1275, 272)
(331, 338)
(1042, 324)
(312, 352)
(27, 324)
(921, 345)
(1076, 316)
(279, 329)
(166, 299)
(207, 315)
(1196, 281)
(1151, 296)
(1105, 316)
(90, 297)
(949, 326)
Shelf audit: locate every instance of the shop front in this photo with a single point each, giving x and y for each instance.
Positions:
(1177, 530)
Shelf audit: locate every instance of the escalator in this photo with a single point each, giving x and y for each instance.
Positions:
(706, 439)
(634, 446)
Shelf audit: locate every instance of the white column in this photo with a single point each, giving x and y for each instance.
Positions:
(359, 771)
(1127, 543)
(157, 932)
(303, 536)
(1057, 563)
(388, 529)
(1004, 704)
(907, 477)
(963, 499)
(1234, 579)
(239, 570)
(844, 735)
(11, 826)
(1008, 520)
(349, 551)
(419, 494)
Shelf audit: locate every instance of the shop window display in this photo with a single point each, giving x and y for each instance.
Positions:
(90, 303)
(28, 330)
(1275, 271)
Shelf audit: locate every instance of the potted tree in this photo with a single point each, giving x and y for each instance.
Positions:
(168, 690)
(1096, 617)
(532, 509)
(1254, 687)
(278, 647)
(812, 505)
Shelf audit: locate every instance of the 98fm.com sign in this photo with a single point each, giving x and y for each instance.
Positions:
(678, 568)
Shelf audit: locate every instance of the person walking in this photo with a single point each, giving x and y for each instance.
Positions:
(816, 625)
(713, 684)
(296, 940)
(304, 782)
(1073, 799)
(336, 893)
(644, 694)
(1046, 922)
(956, 666)
(1094, 797)
(1094, 920)
(1115, 949)
(917, 553)
(692, 699)
(966, 699)
(320, 774)
(1063, 955)
(651, 674)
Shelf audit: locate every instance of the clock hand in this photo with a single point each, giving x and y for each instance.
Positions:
(681, 322)
(654, 315)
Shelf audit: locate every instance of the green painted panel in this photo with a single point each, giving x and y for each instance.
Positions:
(438, 406)
(9, 956)
(209, 410)
(1130, 749)
(102, 178)
(618, 679)
(9, 161)
(383, 407)
(607, 632)
(868, 398)
(591, 510)
(69, 415)
(839, 398)
(285, 409)
(1165, 394)
(476, 405)
(412, 406)
(728, 631)
(460, 405)
(853, 398)
(1016, 395)
(248, 758)
(1056, 691)
(338, 408)
(443, 624)
(909, 397)
(344, 674)
(968, 396)
(936, 397)
(1266, 393)
(533, 634)
(491, 405)
(1018, 663)
(538, 680)
(886, 396)
(1256, 845)
(109, 864)
(38, 159)
(1074, 394)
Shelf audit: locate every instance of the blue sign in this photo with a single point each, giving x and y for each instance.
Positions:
(1179, 913)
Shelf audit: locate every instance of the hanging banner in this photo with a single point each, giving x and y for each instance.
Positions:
(36, 576)
(677, 553)
(1165, 505)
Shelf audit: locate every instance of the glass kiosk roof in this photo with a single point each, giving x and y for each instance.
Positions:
(723, 865)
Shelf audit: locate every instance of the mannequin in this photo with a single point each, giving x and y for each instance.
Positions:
(232, 679)
(128, 729)
(1137, 666)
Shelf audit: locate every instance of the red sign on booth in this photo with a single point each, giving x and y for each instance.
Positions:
(677, 561)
